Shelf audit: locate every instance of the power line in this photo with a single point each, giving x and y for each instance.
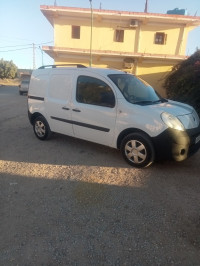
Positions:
(15, 45)
(16, 50)
(13, 39)
(25, 48)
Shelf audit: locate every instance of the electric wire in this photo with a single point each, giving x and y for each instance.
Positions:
(10, 46)
(30, 46)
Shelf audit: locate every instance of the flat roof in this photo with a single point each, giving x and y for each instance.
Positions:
(50, 11)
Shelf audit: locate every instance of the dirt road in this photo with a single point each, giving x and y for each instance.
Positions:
(70, 202)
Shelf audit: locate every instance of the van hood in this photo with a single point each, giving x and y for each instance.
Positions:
(185, 113)
(174, 108)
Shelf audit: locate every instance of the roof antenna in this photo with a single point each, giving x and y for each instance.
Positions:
(146, 7)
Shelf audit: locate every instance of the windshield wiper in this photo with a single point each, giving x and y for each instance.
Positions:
(144, 102)
(160, 101)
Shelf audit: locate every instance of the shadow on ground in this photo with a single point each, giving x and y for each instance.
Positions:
(67, 222)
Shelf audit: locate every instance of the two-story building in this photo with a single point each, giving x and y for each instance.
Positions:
(145, 44)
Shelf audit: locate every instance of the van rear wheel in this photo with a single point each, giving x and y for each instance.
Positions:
(41, 128)
(137, 149)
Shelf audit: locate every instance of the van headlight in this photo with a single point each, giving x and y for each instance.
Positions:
(172, 121)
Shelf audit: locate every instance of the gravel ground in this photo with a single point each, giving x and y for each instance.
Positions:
(70, 202)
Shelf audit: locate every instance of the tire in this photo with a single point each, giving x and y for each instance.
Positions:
(137, 149)
(41, 128)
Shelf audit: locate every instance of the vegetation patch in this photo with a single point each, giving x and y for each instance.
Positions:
(183, 83)
(10, 82)
(8, 70)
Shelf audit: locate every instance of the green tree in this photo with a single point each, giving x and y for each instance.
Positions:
(183, 83)
(8, 69)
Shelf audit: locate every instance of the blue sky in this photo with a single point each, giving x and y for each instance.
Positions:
(23, 24)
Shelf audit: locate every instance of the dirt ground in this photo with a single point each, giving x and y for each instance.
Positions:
(10, 82)
(70, 202)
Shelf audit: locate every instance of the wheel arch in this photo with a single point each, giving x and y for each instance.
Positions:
(32, 117)
(128, 131)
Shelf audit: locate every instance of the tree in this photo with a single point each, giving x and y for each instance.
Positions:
(183, 83)
(8, 69)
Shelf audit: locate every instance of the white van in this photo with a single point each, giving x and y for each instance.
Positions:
(112, 108)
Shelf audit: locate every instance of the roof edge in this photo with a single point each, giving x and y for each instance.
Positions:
(117, 12)
(112, 53)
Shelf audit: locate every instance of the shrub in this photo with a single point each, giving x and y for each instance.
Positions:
(183, 83)
(8, 69)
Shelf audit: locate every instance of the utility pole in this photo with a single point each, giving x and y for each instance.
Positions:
(33, 56)
(146, 7)
(91, 33)
(42, 55)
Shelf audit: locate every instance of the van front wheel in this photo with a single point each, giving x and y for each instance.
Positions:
(41, 128)
(138, 150)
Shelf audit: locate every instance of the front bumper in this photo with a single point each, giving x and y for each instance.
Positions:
(23, 90)
(177, 145)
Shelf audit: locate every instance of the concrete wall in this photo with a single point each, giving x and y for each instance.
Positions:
(139, 40)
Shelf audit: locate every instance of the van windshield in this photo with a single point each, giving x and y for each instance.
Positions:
(25, 81)
(135, 90)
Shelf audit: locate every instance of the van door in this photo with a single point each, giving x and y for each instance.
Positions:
(94, 110)
(58, 102)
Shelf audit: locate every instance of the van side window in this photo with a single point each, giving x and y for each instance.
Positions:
(94, 91)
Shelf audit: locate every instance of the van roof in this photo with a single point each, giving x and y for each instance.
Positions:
(79, 68)
(104, 71)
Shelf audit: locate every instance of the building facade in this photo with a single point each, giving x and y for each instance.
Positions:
(145, 44)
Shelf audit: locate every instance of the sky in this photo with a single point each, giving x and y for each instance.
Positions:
(23, 24)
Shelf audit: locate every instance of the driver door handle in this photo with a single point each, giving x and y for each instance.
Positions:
(76, 110)
(65, 108)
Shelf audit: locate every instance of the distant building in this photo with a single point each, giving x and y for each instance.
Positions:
(145, 44)
(24, 73)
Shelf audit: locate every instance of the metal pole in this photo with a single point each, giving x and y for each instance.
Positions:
(42, 55)
(91, 33)
(33, 56)
(146, 7)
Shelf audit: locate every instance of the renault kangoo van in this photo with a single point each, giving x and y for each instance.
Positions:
(112, 108)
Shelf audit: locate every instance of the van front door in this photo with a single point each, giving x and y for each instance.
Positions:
(58, 103)
(94, 110)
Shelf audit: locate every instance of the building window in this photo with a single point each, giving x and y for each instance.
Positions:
(119, 35)
(75, 32)
(160, 38)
